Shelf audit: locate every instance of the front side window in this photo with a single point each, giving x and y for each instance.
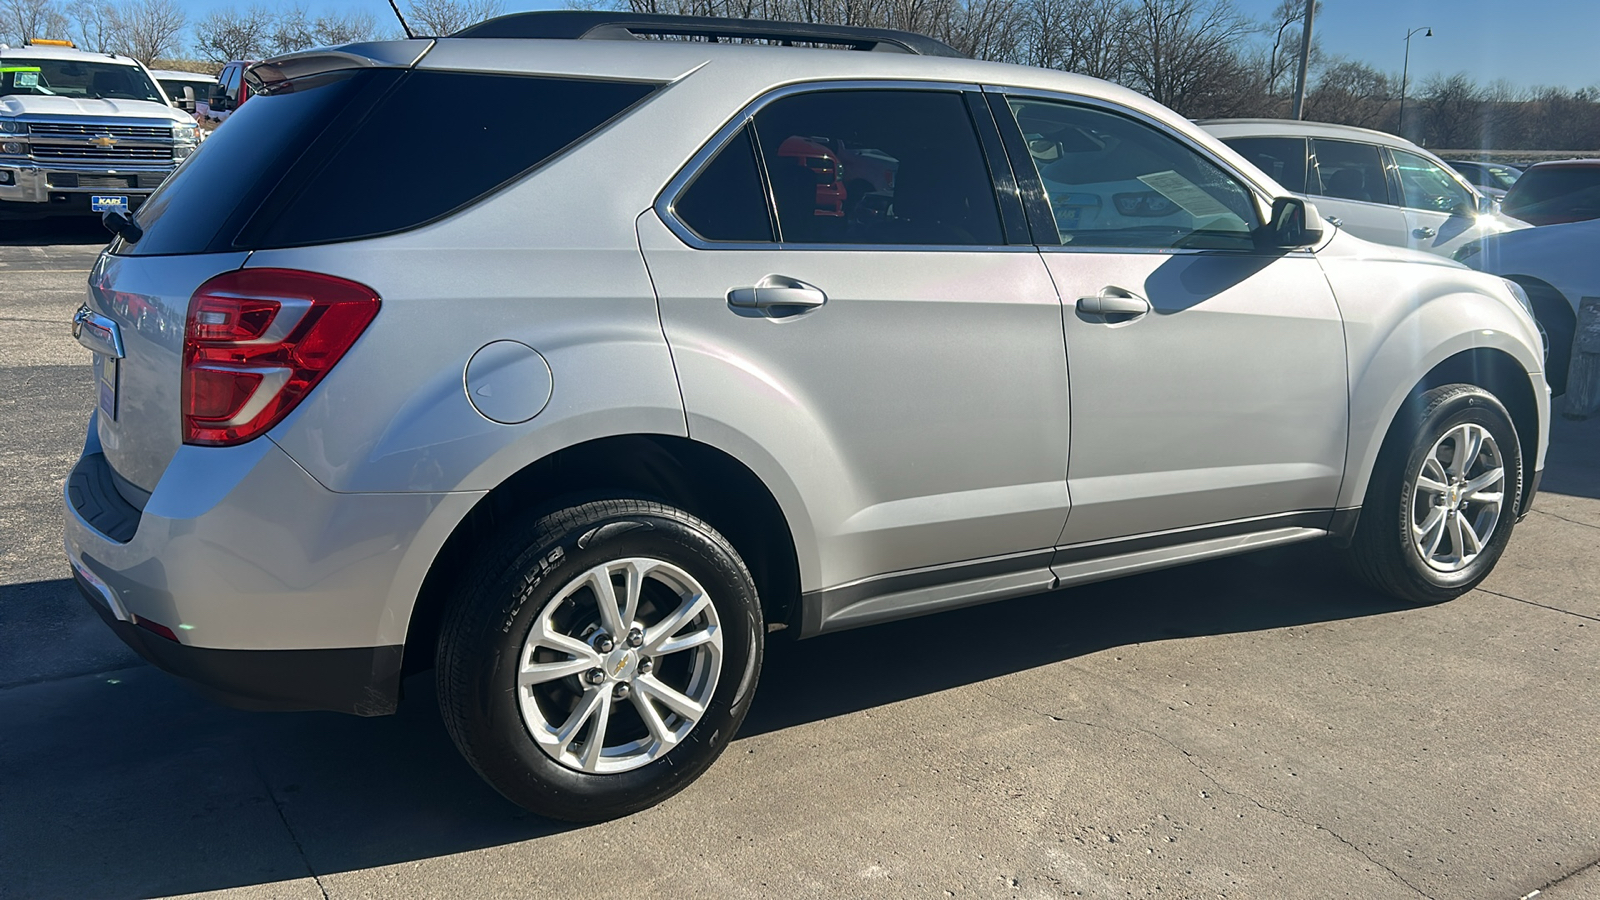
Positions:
(887, 167)
(1424, 185)
(1349, 171)
(1115, 182)
(230, 83)
(1282, 158)
(79, 80)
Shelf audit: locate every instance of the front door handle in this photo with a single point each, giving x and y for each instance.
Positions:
(1424, 232)
(1114, 301)
(778, 295)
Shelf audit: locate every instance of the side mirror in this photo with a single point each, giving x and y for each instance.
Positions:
(1295, 223)
(1487, 205)
(218, 97)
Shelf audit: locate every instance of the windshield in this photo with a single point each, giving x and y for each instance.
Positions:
(72, 78)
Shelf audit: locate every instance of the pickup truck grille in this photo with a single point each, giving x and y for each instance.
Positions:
(78, 129)
(126, 154)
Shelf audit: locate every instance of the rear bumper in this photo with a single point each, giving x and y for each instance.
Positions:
(246, 576)
(362, 681)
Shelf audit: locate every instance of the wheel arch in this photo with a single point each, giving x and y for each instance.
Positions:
(1559, 318)
(698, 478)
(1492, 368)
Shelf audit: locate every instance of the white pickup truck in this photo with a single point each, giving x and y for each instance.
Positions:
(83, 133)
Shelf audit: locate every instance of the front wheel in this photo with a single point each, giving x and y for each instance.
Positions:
(600, 658)
(1442, 500)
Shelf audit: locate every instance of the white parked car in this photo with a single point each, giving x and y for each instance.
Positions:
(1557, 266)
(1373, 185)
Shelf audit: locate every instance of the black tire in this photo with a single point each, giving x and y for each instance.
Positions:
(1382, 554)
(506, 591)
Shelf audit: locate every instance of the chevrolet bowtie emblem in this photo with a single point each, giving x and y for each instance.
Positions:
(104, 141)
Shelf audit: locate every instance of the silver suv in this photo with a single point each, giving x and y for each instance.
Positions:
(581, 403)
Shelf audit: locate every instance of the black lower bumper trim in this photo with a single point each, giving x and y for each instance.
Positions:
(362, 681)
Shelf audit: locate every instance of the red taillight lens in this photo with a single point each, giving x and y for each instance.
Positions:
(257, 341)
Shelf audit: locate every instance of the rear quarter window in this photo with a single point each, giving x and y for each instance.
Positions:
(353, 155)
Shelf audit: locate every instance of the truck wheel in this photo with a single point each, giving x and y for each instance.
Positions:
(1443, 499)
(600, 658)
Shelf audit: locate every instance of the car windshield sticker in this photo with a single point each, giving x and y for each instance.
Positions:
(23, 78)
(1186, 194)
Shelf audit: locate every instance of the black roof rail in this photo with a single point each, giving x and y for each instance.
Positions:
(584, 25)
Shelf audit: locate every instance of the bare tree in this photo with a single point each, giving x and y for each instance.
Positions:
(1181, 50)
(1351, 93)
(229, 33)
(442, 17)
(98, 26)
(150, 28)
(22, 20)
(345, 28)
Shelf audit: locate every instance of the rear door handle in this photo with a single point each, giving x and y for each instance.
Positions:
(778, 295)
(1114, 301)
(1423, 232)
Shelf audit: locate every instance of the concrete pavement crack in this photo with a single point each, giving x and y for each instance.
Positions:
(1565, 519)
(1189, 758)
(1573, 874)
(1541, 605)
(287, 828)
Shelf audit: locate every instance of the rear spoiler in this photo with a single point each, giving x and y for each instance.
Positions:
(264, 77)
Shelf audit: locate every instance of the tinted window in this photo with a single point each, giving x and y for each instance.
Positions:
(1425, 185)
(878, 167)
(1557, 194)
(223, 180)
(1282, 158)
(230, 81)
(1350, 171)
(726, 201)
(1114, 182)
(384, 174)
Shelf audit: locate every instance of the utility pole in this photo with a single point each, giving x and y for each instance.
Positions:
(1305, 60)
(1404, 70)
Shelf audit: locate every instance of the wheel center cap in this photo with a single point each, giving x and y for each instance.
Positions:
(621, 664)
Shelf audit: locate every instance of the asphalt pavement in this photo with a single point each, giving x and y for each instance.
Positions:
(1252, 727)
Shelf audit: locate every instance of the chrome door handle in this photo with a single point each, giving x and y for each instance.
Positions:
(778, 295)
(1335, 221)
(1423, 232)
(1114, 301)
(97, 332)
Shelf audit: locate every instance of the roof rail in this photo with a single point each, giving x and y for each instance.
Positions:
(614, 26)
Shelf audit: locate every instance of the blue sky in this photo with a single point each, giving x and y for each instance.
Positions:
(1528, 42)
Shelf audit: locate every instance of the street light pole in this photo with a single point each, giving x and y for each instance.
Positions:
(1404, 71)
(1305, 59)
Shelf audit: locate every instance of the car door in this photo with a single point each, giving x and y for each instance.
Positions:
(891, 359)
(1441, 212)
(1208, 377)
(1349, 183)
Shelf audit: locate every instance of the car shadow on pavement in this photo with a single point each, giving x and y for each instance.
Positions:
(196, 797)
(53, 232)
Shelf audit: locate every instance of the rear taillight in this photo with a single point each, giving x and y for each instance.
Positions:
(257, 341)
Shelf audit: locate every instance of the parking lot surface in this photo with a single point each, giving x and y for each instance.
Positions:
(1252, 727)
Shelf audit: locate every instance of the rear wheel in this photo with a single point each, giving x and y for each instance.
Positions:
(600, 658)
(1442, 501)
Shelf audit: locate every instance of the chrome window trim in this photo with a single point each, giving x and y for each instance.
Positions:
(663, 205)
(1263, 197)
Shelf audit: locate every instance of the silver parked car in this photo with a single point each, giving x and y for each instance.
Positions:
(639, 379)
(1374, 185)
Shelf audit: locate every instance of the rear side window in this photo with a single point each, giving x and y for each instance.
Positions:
(1556, 192)
(1284, 159)
(1350, 171)
(878, 167)
(356, 155)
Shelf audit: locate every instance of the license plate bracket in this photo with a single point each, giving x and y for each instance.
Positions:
(105, 378)
(106, 202)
